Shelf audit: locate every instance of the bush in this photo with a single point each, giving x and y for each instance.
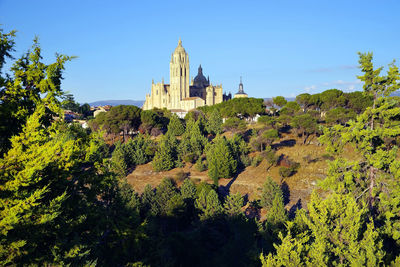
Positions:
(289, 171)
(200, 165)
(245, 160)
(190, 157)
(270, 156)
(181, 176)
(256, 161)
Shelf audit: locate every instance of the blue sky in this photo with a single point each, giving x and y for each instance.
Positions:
(279, 47)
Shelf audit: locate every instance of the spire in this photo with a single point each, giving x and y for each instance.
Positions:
(180, 42)
(200, 70)
(241, 91)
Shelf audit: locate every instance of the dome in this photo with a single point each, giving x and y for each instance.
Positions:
(200, 80)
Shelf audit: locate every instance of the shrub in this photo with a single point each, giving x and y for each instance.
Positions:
(181, 176)
(190, 157)
(200, 165)
(270, 156)
(245, 160)
(256, 161)
(289, 171)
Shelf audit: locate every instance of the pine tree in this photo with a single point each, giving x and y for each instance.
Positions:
(374, 179)
(233, 205)
(188, 189)
(175, 126)
(214, 123)
(220, 159)
(269, 191)
(209, 204)
(166, 154)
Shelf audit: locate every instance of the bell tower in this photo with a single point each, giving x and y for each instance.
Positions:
(179, 76)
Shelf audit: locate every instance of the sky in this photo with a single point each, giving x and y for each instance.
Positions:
(278, 47)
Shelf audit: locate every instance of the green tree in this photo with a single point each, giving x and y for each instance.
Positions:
(280, 101)
(166, 154)
(306, 125)
(233, 205)
(234, 124)
(338, 234)
(175, 126)
(220, 159)
(208, 204)
(214, 123)
(269, 191)
(304, 101)
(188, 189)
(30, 84)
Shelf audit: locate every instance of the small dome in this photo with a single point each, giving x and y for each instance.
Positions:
(200, 80)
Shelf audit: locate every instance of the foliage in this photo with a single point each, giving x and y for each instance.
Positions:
(280, 101)
(269, 191)
(306, 125)
(339, 115)
(136, 151)
(237, 107)
(234, 124)
(256, 160)
(175, 126)
(30, 84)
(188, 189)
(221, 160)
(209, 204)
(214, 122)
(166, 154)
(233, 205)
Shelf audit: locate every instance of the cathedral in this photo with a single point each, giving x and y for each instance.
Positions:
(180, 94)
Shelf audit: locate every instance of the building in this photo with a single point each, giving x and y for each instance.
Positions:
(240, 93)
(180, 94)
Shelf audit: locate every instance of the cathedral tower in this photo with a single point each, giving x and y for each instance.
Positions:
(179, 76)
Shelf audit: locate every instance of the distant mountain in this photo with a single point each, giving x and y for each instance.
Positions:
(138, 103)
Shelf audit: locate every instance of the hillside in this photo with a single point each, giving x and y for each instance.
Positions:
(312, 158)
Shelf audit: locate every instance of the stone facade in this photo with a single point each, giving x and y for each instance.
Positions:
(180, 94)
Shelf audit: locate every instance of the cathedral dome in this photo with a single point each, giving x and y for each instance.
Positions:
(200, 80)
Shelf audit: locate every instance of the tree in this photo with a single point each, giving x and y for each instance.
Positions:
(32, 82)
(233, 205)
(221, 161)
(269, 191)
(188, 189)
(123, 118)
(208, 204)
(306, 125)
(268, 137)
(166, 154)
(234, 124)
(303, 100)
(214, 123)
(277, 214)
(332, 98)
(339, 115)
(280, 101)
(337, 235)
(372, 180)
(175, 126)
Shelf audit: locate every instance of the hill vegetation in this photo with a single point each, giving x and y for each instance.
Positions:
(228, 185)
